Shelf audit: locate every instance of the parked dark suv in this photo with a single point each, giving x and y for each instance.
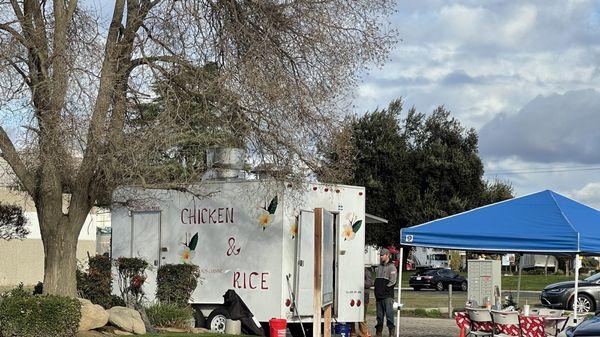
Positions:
(437, 278)
(560, 295)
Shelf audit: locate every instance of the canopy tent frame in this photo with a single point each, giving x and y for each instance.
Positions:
(542, 222)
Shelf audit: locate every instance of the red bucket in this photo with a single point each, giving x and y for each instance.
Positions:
(277, 327)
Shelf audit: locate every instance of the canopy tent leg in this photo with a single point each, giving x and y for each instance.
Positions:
(519, 280)
(575, 304)
(399, 305)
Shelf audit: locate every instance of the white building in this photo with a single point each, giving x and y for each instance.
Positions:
(23, 260)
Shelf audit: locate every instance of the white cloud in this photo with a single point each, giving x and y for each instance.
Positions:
(589, 194)
(555, 128)
(482, 59)
(514, 51)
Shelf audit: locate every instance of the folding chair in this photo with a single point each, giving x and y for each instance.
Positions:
(506, 324)
(481, 322)
(552, 328)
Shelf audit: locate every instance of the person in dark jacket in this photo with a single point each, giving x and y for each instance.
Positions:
(385, 280)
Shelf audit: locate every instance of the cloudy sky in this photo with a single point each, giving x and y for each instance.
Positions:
(525, 74)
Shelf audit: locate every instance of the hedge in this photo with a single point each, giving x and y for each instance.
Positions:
(26, 315)
(176, 282)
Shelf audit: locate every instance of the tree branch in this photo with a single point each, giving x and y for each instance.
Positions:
(14, 33)
(18, 12)
(21, 72)
(12, 158)
(163, 58)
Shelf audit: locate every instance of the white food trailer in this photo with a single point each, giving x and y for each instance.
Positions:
(251, 236)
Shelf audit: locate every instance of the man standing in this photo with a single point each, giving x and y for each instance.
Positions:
(385, 279)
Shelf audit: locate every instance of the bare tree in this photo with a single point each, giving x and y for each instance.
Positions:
(69, 82)
(13, 224)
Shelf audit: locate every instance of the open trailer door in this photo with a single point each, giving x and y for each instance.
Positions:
(305, 257)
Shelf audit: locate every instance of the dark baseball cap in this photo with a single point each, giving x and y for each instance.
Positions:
(384, 251)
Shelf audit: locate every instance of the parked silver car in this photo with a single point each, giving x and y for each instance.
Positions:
(560, 295)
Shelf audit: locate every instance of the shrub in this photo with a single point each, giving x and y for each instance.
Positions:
(534, 271)
(26, 315)
(132, 276)
(584, 270)
(420, 312)
(38, 289)
(169, 315)
(431, 313)
(95, 284)
(117, 301)
(176, 282)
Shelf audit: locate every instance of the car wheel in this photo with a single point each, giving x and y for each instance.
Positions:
(417, 288)
(439, 286)
(216, 320)
(585, 303)
(464, 286)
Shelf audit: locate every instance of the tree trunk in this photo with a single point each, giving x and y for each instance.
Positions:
(60, 261)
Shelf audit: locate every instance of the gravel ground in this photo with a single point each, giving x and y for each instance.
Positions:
(421, 327)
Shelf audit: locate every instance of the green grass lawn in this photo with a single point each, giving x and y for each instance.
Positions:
(528, 282)
(172, 334)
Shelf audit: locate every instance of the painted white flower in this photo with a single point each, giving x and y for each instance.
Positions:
(265, 219)
(187, 255)
(347, 232)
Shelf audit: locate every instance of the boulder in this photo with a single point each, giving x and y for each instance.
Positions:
(93, 316)
(91, 333)
(126, 319)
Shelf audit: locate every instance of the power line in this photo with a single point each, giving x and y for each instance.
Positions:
(549, 170)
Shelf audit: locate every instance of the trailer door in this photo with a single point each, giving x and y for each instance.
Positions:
(305, 263)
(145, 243)
(328, 264)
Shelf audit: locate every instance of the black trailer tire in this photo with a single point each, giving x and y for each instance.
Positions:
(216, 320)
(199, 319)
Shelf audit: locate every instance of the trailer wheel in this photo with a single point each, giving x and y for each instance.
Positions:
(216, 320)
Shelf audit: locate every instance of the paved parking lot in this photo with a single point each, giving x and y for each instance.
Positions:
(421, 327)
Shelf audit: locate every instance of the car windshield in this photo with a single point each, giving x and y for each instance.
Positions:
(439, 257)
(593, 278)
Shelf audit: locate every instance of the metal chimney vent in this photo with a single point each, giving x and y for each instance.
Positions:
(225, 163)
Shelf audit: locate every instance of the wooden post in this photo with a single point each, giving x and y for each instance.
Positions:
(327, 321)
(317, 297)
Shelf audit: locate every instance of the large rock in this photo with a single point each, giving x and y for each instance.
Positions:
(93, 316)
(126, 319)
(91, 333)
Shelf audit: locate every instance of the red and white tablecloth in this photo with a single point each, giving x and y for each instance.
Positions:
(531, 326)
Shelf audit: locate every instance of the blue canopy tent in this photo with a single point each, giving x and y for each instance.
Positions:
(543, 222)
